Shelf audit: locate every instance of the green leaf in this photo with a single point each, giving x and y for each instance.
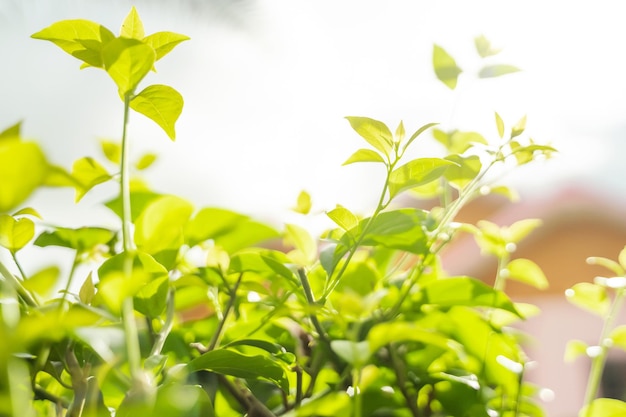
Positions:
(83, 239)
(415, 173)
(304, 243)
(164, 42)
(609, 264)
(446, 69)
(88, 173)
(464, 291)
(385, 333)
(622, 259)
(160, 103)
(500, 125)
(87, 290)
(491, 71)
(27, 211)
(11, 132)
(468, 168)
(364, 155)
(138, 202)
(229, 362)
(175, 400)
(519, 127)
(23, 168)
(82, 39)
(210, 223)
(111, 150)
(419, 132)
(604, 407)
(146, 161)
(400, 132)
(132, 26)
(483, 47)
(246, 233)
(15, 233)
(618, 336)
(268, 263)
(456, 141)
(590, 297)
(376, 133)
(343, 218)
(42, 282)
(528, 272)
(303, 203)
(520, 229)
(151, 299)
(160, 226)
(127, 61)
(575, 349)
(355, 353)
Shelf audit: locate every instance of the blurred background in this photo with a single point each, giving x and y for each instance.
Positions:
(267, 85)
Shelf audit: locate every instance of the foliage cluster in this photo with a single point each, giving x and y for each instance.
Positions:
(194, 312)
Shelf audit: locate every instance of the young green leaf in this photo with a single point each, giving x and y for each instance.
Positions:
(355, 353)
(160, 103)
(376, 133)
(484, 48)
(468, 168)
(609, 264)
(160, 226)
(618, 336)
(127, 61)
(364, 155)
(399, 331)
(145, 161)
(590, 297)
(500, 125)
(230, 362)
(42, 282)
(605, 407)
(15, 233)
(446, 69)
(23, 168)
(87, 290)
(88, 173)
(575, 349)
(519, 127)
(12, 132)
(415, 173)
(304, 243)
(400, 132)
(132, 26)
(210, 223)
(82, 39)
(528, 272)
(164, 42)
(111, 150)
(82, 239)
(151, 299)
(491, 71)
(419, 132)
(343, 218)
(265, 262)
(303, 203)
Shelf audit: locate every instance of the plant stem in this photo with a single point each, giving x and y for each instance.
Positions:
(17, 285)
(125, 181)
(69, 281)
(598, 362)
(220, 326)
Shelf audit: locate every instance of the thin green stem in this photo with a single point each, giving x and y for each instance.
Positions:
(356, 396)
(220, 326)
(125, 181)
(69, 281)
(17, 285)
(598, 362)
(157, 347)
(17, 264)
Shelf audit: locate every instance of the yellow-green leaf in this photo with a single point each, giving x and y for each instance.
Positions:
(491, 71)
(43, 281)
(622, 259)
(364, 155)
(343, 218)
(618, 336)
(484, 48)
(500, 125)
(575, 349)
(145, 161)
(590, 297)
(132, 26)
(160, 103)
(127, 61)
(111, 150)
(23, 168)
(164, 42)
(604, 407)
(528, 272)
(375, 132)
(303, 203)
(15, 233)
(88, 173)
(161, 225)
(417, 172)
(304, 243)
(519, 127)
(446, 69)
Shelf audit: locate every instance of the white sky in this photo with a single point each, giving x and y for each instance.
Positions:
(267, 84)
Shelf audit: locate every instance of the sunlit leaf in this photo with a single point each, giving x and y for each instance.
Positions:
(500, 125)
(80, 38)
(519, 127)
(132, 26)
(11, 132)
(520, 229)
(151, 299)
(415, 173)
(446, 69)
(23, 168)
(497, 70)
(302, 240)
(27, 211)
(43, 281)
(376, 133)
(609, 264)
(464, 172)
(590, 297)
(605, 407)
(210, 223)
(88, 173)
(355, 353)
(264, 262)
(138, 202)
(146, 161)
(160, 226)
(466, 291)
(456, 141)
(230, 362)
(528, 272)
(618, 336)
(575, 349)
(15, 233)
(246, 233)
(175, 400)
(622, 259)
(82, 239)
(484, 48)
(111, 150)
(164, 42)
(87, 290)
(419, 132)
(343, 217)
(127, 61)
(160, 103)
(400, 132)
(364, 155)
(385, 333)
(303, 203)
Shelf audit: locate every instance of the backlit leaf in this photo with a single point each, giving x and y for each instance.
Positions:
(138, 202)
(82, 239)
(264, 262)
(483, 47)
(575, 349)
(415, 173)
(605, 407)
(609, 264)
(15, 233)
(132, 26)
(355, 353)
(111, 150)
(622, 259)
(528, 272)
(80, 38)
(376, 133)
(127, 61)
(500, 125)
(145, 161)
(160, 103)
(497, 70)
(462, 174)
(343, 217)
(304, 243)
(385, 333)
(419, 132)
(23, 168)
(232, 363)
(303, 203)
(87, 290)
(590, 297)
(210, 223)
(618, 336)
(164, 42)
(160, 226)
(446, 69)
(88, 173)
(151, 299)
(11, 132)
(400, 132)
(519, 127)
(364, 155)
(43, 281)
